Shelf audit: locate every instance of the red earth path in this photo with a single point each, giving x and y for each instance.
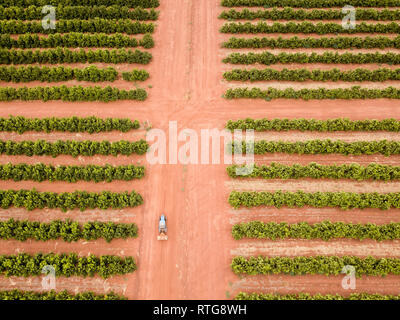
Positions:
(186, 79)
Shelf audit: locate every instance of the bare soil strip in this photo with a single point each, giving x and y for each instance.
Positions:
(308, 66)
(226, 36)
(112, 136)
(309, 50)
(314, 284)
(294, 248)
(119, 84)
(117, 247)
(314, 215)
(282, 85)
(326, 159)
(127, 215)
(344, 136)
(117, 284)
(309, 185)
(80, 160)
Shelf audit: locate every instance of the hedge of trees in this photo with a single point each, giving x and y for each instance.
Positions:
(75, 40)
(337, 42)
(66, 265)
(268, 58)
(359, 74)
(384, 147)
(75, 25)
(354, 171)
(355, 92)
(66, 230)
(127, 3)
(74, 93)
(308, 3)
(57, 74)
(82, 200)
(299, 199)
(304, 27)
(325, 230)
(330, 125)
(70, 173)
(63, 55)
(53, 295)
(136, 75)
(61, 73)
(326, 265)
(90, 124)
(315, 14)
(73, 148)
(307, 296)
(79, 12)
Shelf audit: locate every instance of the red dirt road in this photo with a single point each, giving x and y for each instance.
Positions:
(186, 75)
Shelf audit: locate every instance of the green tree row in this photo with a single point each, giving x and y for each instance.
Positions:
(354, 171)
(306, 28)
(61, 73)
(269, 58)
(57, 74)
(90, 124)
(70, 173)
(313, 94)
(65, 265)
(308, 3)
(359, 74)
(78, 12)
(52, 295)
(329, 125)
(325, 230)
(299, 199)
(307, 296)
(127, 3)
(295, 42)
(135, 75)
(63, 55)
(73, 148)
(75, 93)
(315, 14)
(326, 265)
(66, 230)
(82, 200)
(75, 25)
(75, 40)
(317, 146)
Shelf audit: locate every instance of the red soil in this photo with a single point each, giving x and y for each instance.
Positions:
(186, 75)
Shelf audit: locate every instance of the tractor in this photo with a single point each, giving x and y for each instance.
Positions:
(162, 228)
